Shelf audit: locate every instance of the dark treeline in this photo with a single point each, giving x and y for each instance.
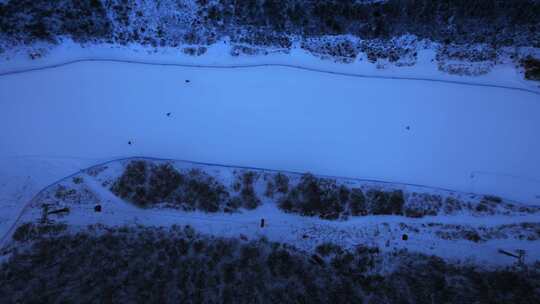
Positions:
(152, 265)
(462, 21)
(497, 22)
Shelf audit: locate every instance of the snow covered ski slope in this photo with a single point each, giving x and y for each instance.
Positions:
(465, 138)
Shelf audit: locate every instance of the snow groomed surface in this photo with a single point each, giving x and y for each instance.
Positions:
(467, 138)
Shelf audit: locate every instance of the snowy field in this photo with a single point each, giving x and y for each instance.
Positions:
(463, 138)
(477, 139)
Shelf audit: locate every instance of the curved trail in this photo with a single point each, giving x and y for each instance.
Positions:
(26, 206)
(243, 66)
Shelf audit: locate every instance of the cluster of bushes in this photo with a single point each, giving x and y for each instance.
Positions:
(278, 184)
(244, 185)
(399, 50)
(532, 68)
(342, 49)
(147, 184)
(321, 197)
(29, 231)
(177, 265)
(521, 231)
(160, 185)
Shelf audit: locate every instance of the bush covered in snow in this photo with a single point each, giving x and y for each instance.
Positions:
(200, 191)
(29, 231)
(532, 68)
(177, 265)
(383, 202)
(422, 204)
(328, 199)
(147, 184)
(244, 185)
(313, 196)
(322, 197)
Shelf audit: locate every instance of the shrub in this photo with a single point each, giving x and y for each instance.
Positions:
(385, 203)
(282, 183)
(422, 204)
(146, 185)
(200, 191)
(24, 232)
(164, 179)
(326, 249)
(270, 189)
(313, 196)
(532, 68)
(132, 182)
(30, 231)
(472, 236)
(451, 205)
(493, 199)
(357, 203)
(248, 196)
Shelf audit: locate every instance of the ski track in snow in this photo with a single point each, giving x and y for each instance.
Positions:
(241, 66)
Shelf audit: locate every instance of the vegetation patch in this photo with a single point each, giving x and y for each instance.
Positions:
(532, 68)
(244, 185)
(148, 185)
(522, 231)
(177, 265)
(423, 204)
(321, 197)
(29, 231)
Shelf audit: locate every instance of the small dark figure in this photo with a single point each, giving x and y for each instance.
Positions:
(187, 81)
(407, 128)
(404, 237)
(97, 208)
(262, 223)
(129, 142)
(168, 114)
